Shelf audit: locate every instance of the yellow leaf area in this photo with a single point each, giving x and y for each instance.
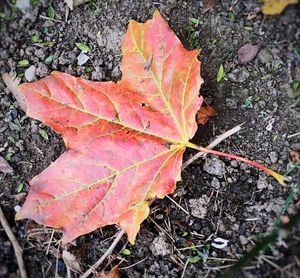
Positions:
(272, 7)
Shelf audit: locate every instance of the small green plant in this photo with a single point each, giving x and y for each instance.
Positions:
(221, 74)
(83, 47)
(51, 11)
(23, 63)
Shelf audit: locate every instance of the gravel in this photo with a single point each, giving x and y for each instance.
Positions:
(199, 206)
(160, 246)
(215, 166)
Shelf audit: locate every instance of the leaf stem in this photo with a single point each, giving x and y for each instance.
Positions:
(280, 178)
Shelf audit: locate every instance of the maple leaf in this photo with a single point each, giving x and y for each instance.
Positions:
(124, 140)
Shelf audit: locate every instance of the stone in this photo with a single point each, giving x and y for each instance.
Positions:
(239, 75)
(230, 103)
(273, 157)
(30, 74)
(199, 206)
(215, 183)
(215, 166)
(23, 4)
(42, 70)
(160, 247)
(265, 56)
(97, 74)
(262, 182)
(82, 58)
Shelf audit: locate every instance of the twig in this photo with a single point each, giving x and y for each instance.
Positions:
(104, 256)
(184, 269)
(177, 204)
(17, 248)
(132, 265)
(293, 135)
(49, 18)
(217, 141)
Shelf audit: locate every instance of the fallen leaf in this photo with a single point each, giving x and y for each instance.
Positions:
(5, 168)
(74, 3)
(114, 273)
(71, 261)
(272, 7)
(50, 11)
(295, 156)
(11, 81)
(125, 140)
(248, 52)
(205, 113)
(221, 73)
(20, 196)
(209, 5)
(83, 47)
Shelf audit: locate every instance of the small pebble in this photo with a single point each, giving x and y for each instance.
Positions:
(82, 59)
(215, 183)
(30, 74)
(273, 156)
(17, 208)
(215, 166)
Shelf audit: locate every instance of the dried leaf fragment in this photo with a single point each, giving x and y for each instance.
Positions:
(272, 7)
(209, 5)
(113, 273)
(205, 113)
(11, 81)
(248, 52)
(74, 3)
(295, 156)
(5, 168)
(71, 261)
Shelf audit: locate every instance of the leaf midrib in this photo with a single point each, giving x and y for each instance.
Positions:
(183, 138)
(101, 117)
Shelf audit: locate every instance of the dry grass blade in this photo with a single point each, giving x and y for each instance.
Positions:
(105, 255)
(217, 141)
(17, 248)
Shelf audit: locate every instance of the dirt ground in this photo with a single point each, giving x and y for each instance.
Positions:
(225, 199)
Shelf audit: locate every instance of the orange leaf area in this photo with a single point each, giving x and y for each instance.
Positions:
(205, 113)
(124, 140)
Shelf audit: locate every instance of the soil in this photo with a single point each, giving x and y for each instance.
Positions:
(225, 199)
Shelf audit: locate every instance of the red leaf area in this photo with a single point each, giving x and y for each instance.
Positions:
(124, 140)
